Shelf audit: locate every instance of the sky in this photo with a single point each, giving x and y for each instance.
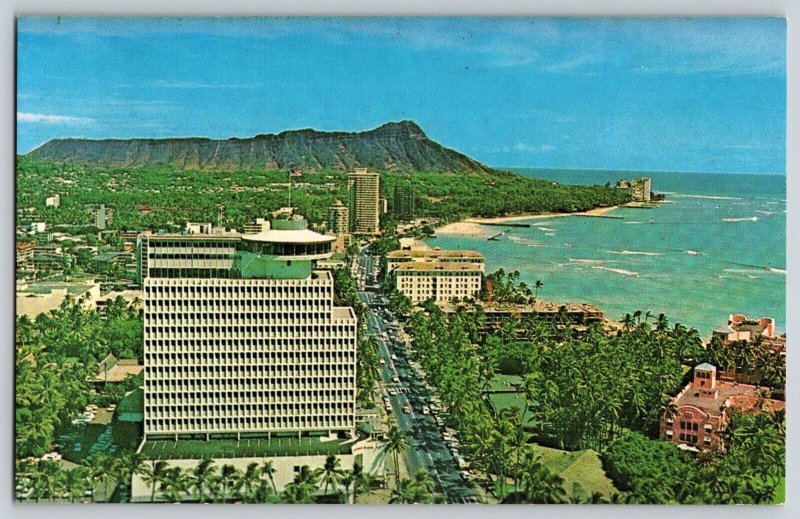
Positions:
(671, 94)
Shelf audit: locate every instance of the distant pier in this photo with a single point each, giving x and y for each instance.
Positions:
(505, 224)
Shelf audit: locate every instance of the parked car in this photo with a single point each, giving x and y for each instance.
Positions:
(407, 409)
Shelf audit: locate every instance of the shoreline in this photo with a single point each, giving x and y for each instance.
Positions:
(474, 227)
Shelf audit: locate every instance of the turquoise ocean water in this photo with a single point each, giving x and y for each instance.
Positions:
(718, 248)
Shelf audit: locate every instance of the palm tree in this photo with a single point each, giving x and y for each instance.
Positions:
(94, 474)
(152, 475)
(539, 484)
(302, 489)
(249, 482)
(627, 322)
(347, 482)
(202, 479)
(536, 287)
(331, 473)
(227, 478)
(174, 484)
(106, 467)
(396, 444)
(268, 469)
(357, 475)
(128, 465)
(75, 481)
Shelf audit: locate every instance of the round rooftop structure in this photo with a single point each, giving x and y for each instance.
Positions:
(289, 240)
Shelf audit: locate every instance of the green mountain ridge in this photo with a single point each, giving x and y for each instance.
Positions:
(395, 146)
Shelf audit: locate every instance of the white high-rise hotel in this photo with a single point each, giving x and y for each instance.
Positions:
(241, 335)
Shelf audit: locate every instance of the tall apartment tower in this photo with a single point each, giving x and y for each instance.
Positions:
(364, 188)
(339, 219)
(241, 335)
(102, 217)
(404, 202)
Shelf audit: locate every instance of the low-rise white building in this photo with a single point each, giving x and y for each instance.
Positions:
(40, 298)
(441, 281)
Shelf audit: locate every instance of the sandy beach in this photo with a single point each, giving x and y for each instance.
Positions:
(473, 226)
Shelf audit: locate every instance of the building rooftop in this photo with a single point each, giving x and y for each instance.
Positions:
(724, 328)
(289, 236)
(706, 366)
(728, 394)
(433, 253)
(112, 369)
(343, 312)
(439, 266)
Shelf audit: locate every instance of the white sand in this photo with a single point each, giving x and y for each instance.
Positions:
(472, 226)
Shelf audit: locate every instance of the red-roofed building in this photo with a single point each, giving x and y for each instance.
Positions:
(700, 412)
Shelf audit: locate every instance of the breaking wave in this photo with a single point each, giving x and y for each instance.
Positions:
(617, 271)
(635, 252)
(709, 197)
(524, 241)
(583, 260)
(750, 219)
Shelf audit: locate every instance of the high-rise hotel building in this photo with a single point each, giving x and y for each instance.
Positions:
(364, 189)
(339, 219)
(241, 335)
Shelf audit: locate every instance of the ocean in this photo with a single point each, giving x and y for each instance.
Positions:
(718, 247)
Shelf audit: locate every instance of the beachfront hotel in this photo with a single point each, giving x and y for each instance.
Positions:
(364, 189)
(441, 281)
(241, 335)
(702, 410)
(399, 257)
(640, 188)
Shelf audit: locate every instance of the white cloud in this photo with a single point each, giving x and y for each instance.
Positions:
(27, 117)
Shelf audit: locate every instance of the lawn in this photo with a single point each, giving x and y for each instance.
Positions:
(245, 448)
(504, 383)
(502, 401)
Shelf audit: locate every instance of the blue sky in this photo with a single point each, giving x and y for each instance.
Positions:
(705, 95)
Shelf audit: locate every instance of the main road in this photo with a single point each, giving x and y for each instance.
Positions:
(427, 449)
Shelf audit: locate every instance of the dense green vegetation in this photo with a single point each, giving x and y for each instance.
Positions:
(56, 356)
(652, 471)
(752, 361)
(205, 482)
(169, 196)
(593, 390)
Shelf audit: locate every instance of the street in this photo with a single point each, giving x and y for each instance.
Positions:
(427, 448)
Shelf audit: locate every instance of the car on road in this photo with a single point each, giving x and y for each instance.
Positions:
(382, 360)
(396, 380)
(407, 409)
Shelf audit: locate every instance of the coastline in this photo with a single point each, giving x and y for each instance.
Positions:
(474, 227)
